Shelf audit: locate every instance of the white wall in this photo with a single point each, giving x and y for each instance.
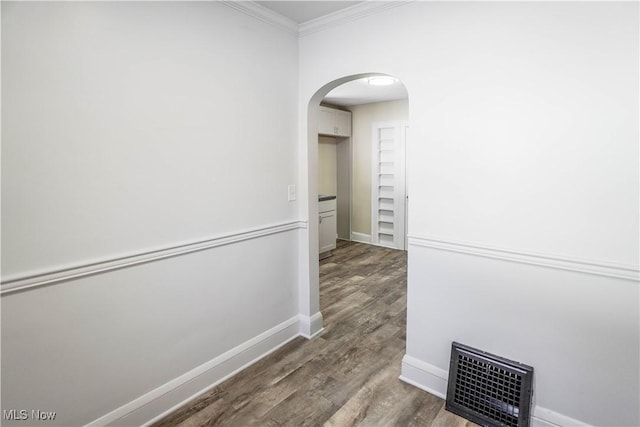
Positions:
(118, 139)
(128, 128)
(363, 118)
(115, 130)
(524, 187)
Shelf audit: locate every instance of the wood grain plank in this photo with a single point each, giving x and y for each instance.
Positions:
(348, 376)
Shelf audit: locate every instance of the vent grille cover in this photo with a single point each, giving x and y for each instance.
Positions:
(487, 389)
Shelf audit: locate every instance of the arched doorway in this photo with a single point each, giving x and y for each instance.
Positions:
(311, 321)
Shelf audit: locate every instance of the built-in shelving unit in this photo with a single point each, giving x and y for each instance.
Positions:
(388, 185)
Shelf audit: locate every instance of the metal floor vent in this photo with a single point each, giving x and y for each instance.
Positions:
(487, 389)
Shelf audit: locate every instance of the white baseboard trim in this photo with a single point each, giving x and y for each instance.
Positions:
(432, 379)
(383, 245)
(360, 237)
(161, 401)
(424, 376)
(366, 238)
(536, 422)
(543, 417)
(311, 326)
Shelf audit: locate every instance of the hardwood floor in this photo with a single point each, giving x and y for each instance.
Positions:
(347, 376)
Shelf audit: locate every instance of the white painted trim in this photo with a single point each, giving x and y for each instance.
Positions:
(340, 17)
(346, 15)
(405, 132)
(311, 326)
(264, 14)
(432, 379)
(399, 185)
(537, 422)
(360, 237)
(560, 262)
(383, 245)
(543, 417)
(425, 376)
(366, 238)
(64, 274)
(212, 372)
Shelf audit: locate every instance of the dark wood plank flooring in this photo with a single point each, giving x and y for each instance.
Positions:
(347, 376)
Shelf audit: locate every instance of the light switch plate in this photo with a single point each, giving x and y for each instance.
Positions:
(292, 192)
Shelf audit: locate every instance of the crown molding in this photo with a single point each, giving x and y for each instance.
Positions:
(352, 13)
(264, 14)
(348, 14)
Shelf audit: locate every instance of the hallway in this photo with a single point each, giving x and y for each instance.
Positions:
(346, 376)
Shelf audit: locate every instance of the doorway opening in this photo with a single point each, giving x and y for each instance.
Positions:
(364, 168)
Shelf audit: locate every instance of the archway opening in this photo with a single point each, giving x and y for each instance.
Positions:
(371, 218)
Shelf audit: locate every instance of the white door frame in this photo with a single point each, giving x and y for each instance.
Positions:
(344, 167)
(404, 137)
(399, 196)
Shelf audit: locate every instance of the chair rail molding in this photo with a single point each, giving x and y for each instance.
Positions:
(35, 280)
(560, 262)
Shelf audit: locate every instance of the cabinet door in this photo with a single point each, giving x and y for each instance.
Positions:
(343, 123)
(326, 123)
(327, 231)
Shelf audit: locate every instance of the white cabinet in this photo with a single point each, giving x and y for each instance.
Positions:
(343, 123)
(327, 229)
(334, 122)
(327, 123)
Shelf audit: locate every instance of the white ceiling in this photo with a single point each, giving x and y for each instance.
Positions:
(359, 92)
(303, 11)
